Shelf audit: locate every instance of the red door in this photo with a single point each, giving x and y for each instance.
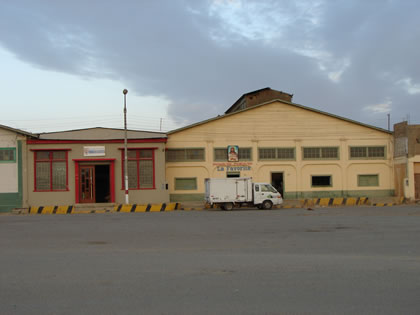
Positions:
(87, 184)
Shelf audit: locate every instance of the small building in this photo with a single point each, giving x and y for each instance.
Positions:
(407, 160)
(302, 151)
(12, 172)
(86, 166)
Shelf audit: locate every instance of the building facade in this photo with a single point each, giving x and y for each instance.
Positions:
(87, 166)
(303, 152)
(407, 160)
(12, 171)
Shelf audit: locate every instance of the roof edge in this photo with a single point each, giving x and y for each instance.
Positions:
(25, 133)
(281, 101)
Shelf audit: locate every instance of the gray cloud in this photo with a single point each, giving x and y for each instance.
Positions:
(202, 60)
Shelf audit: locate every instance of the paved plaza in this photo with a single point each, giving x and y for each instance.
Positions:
(354, 260)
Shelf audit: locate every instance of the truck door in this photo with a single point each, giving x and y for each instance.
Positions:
(264, 192)
(258, 196)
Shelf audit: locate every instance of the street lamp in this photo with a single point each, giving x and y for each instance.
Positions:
(125, 149)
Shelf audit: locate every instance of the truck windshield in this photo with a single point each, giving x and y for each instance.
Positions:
(268, 188)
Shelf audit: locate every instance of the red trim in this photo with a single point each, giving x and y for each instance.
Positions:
(66, 149)
(50, 161)
(76, 184)
(155, 140)
(111, 175)
(93, 160)
(138, 159)
(138, 148)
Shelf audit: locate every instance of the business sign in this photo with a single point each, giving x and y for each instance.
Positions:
(94, 151)
(233, 167)
(233, 153)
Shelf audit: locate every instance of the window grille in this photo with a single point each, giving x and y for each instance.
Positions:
(276, 153)
(50, 170)
(374, 152)
(140, 169)
(185, 155)
(7, 155)
(320, 153)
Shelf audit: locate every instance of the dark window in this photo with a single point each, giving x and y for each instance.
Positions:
(321, 181)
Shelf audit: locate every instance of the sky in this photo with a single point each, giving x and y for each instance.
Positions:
(64, 64)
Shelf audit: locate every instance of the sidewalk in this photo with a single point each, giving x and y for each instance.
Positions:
(314, 202)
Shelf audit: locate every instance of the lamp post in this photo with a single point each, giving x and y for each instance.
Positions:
(125, 149)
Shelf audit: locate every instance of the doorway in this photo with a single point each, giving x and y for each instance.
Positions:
(94, 183)
(277, 182)
(417, 186)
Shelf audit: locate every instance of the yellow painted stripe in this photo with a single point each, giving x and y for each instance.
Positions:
(156, 208)
(351, 201)
(126, 208)
(170, 206)
(324, 202)
(141, 208)
(62, 209)
(338, 201)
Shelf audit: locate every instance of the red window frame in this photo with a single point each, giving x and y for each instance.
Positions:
(51, 160)
(138, 159)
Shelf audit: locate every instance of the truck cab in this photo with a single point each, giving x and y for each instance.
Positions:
(265, 196)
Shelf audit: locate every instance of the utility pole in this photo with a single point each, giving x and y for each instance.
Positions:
(125, 149)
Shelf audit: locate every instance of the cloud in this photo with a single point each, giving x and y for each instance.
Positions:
(202, 55)
(379, 108)
(409, 86)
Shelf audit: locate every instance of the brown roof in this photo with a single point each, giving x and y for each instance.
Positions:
(99, 133)
(25, 133)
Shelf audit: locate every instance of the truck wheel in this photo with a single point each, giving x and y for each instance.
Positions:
(228, 206)
(267, 205)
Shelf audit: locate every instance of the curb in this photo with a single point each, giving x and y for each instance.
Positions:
(118, 208)
(147, 208)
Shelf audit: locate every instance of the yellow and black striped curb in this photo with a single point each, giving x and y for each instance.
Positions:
(330, 202)
(351, 201)
(62, 210)
(118, 208)
(148, 208)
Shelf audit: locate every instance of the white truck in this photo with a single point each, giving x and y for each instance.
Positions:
(230, 192)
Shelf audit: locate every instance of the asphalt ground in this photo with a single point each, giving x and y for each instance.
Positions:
(361, 260)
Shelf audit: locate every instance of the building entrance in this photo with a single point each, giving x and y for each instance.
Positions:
(417, 186)
(277, 182)
(94, 183)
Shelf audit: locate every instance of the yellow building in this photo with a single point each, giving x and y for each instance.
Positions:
(301, 151)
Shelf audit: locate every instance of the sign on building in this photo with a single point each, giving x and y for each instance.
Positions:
(94, 151)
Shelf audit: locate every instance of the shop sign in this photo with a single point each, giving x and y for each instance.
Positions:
(233, 167)
(94, 151)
